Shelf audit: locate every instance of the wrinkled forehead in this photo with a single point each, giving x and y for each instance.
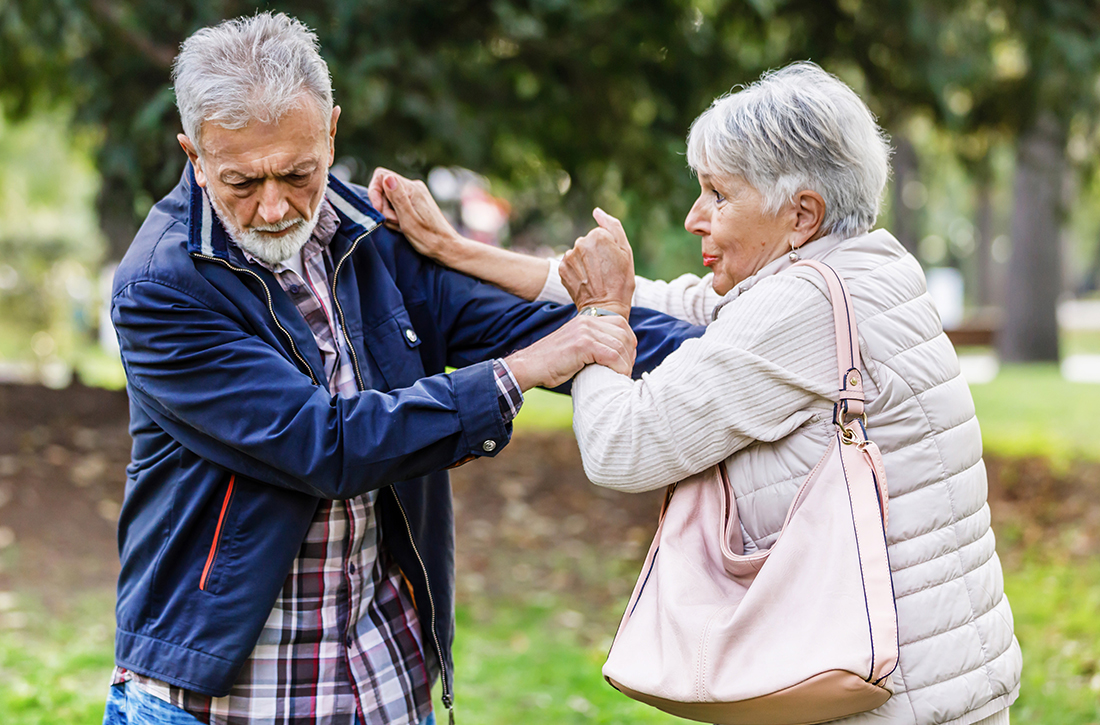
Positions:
(301, 121)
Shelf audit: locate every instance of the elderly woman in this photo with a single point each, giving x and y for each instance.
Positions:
(791, 167)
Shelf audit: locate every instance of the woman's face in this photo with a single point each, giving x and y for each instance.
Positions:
(739, 238)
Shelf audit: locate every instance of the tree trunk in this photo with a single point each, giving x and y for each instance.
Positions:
(906, 221)
(986, 294)
(115, 205)
(1030, 332)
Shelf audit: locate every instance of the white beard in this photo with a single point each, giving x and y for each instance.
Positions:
(264, 247)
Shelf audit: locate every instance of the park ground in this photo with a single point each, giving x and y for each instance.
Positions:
(545, 561)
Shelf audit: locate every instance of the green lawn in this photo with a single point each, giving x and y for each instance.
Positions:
(528, 662)
(1029, 410)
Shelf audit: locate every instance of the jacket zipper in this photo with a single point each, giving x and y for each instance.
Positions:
(270, 308)
(340, 309)
(213, 555)
(448, 699)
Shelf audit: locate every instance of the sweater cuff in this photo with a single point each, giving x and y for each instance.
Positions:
(553, 290)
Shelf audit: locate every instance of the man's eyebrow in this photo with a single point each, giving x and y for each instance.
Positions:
(236, 175)
(303, 167)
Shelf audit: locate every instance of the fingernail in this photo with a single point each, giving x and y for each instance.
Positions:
(598, 210)
(390, 182)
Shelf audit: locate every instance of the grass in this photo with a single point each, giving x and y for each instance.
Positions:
(530, 662)
(526, 663)
(54, 670)
(1030, 410)
(1055, 606)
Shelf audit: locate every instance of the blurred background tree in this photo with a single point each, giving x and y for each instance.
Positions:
(566, 105)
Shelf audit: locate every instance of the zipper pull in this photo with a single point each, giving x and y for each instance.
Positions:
(451, 714)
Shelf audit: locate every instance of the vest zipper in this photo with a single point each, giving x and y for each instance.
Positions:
(270, 308)
(448, 699)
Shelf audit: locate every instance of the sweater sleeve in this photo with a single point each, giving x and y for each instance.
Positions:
(688, 297)
(765, 367)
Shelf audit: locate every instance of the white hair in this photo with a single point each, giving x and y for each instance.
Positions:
(798, 128)
(249, 69)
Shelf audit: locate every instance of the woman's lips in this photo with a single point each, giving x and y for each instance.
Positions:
(709, 260)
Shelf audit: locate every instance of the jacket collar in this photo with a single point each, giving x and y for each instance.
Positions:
(208, 237)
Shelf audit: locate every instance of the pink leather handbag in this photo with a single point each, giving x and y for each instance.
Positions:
(802, 633)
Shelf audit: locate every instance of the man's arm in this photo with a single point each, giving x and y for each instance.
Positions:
(231, 398)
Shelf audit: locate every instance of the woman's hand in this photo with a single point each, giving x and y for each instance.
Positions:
(409, 208)
(583, 340)
(599, 269)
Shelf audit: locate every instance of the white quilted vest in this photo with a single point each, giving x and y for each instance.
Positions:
(960, 661)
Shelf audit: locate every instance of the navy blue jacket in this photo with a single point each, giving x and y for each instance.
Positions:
(236, 438)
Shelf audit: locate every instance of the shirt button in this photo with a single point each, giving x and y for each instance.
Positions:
(489, 446)
(349, 641)
(294, 289)
(351, 568)
(410, 334)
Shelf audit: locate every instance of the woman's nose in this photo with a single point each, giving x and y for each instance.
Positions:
(697, 222)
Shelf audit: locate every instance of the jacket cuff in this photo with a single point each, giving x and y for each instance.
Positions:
(477, 396)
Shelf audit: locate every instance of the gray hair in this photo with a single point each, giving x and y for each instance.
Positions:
(798, 128)
(249, 69)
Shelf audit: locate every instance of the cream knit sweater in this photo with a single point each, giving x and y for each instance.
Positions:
(756, 390)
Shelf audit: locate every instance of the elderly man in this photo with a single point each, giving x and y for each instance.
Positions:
(286, 537)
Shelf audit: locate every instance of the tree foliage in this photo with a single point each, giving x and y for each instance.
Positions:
(563, 103)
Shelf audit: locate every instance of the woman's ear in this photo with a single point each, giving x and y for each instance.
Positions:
(809, 215)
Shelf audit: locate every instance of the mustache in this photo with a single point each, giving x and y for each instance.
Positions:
(277, 226)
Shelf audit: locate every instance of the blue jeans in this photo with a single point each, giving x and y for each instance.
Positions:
(128, 705)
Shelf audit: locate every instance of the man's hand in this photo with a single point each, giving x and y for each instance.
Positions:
(410, 209)
(583, 340)
(599, 269)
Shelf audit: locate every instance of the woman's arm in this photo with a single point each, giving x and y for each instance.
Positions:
(766, 366)
(410, 209)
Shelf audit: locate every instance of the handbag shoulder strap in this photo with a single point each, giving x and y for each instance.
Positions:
(850, 400)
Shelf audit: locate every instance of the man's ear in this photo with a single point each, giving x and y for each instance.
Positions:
(809, 214)
(193, 155)
(332, 135)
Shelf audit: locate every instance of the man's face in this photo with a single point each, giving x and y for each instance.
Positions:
(267, 180)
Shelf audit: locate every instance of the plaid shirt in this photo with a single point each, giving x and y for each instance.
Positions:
(309, 665)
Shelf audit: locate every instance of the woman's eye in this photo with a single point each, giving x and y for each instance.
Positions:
(718, 198)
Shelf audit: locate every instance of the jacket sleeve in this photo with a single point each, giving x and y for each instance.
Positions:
(230, 397)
